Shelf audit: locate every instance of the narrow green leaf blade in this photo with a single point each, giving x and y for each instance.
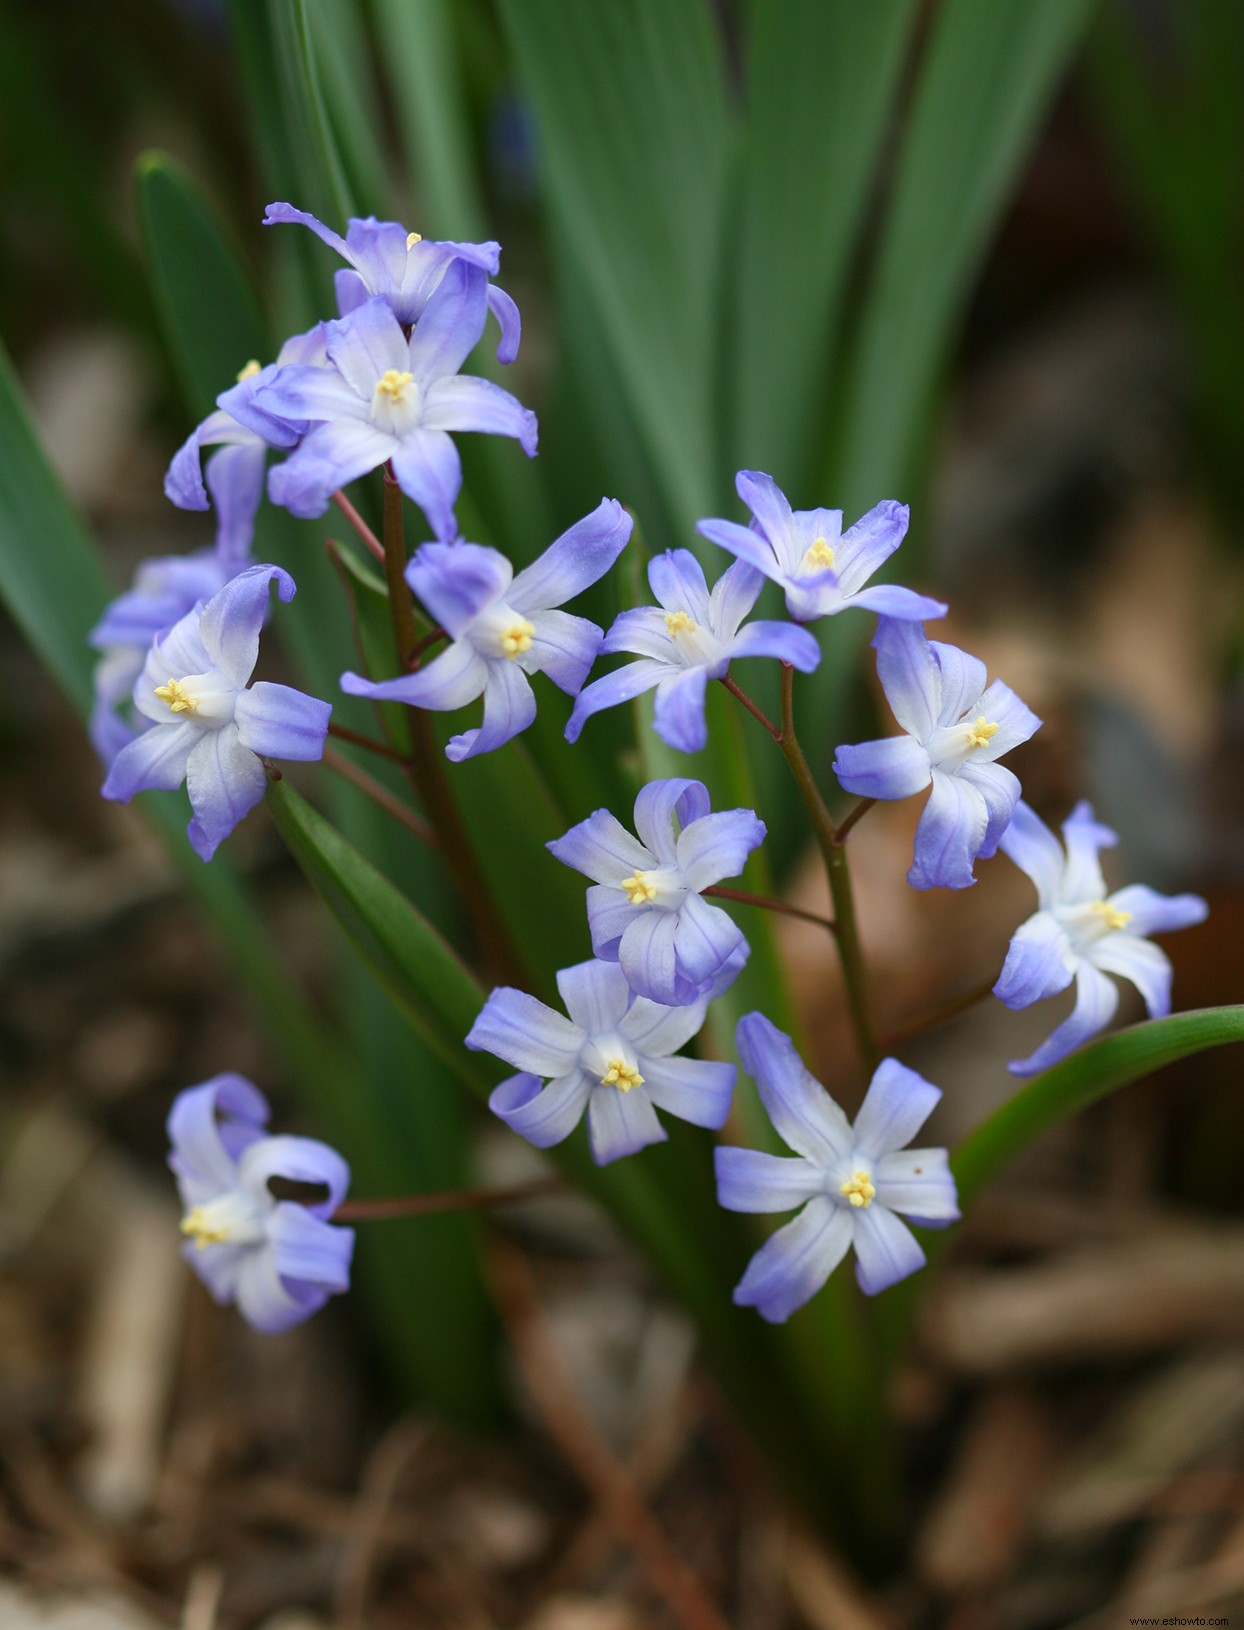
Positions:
(194, 269)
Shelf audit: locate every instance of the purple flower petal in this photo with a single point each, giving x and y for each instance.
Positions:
(768, 503)
(1039, 962)
(1000, 790)
(678, 717)
(806, 1117)
(918, 1182)
(658, 805)
(225, 781)
(525, 1033)
(364, 346)
(332, 456)
(642, 630)
(311, 1252)
(509, 707)
(1154, 913)
(350, 289)
(506, 313)
(794, 1263)
(896, 1106)
(656, 1030)
(885, 1249)
(621, 1123)
(705, 939)
(1015, 720)
(949, 836)
(595, 995)
(1035, 850)
(785, 641)
(693, 1089)
(749, 1180)
(562, 646)
(648, 958)
(277, 721)
(543, 1115)
(621, 686)
(601, 848)
(1085, 837)
(573, 562)
(155, 760)
(609, 915)
(235, 480)
(451, 324)
(199, 1152)
(313, 395)
(429, 470)
(889, 600)
(962, 681)
(300, 1160)
(734, 594)
(908, 672)
(453, 679)
(896, 767)
(746, 545)
(1096, 1001)
(232, 619)
(864, 547)
(265, 1301)
(1145, 965)
(463, 402)
(455, 582)
(677, 580)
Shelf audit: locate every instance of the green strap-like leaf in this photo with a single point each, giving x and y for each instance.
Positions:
(188, 253)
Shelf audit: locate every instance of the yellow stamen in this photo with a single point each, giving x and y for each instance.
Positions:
(639, 888)
(249, 371)
(859, 1189)
(196, 1227)
(622, 1075)
(982, 732)
(678, 622)
(412, 238)
(393, 384)
(178, 697)
(820, 555)
(1111, 915)
(517, 638)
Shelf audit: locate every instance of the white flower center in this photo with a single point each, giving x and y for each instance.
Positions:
(397, 402)
(207, 699)
(500, 631)
(612, 1061)
(664, 887)
(231, 1219)
(694, 644)
(1092, 921)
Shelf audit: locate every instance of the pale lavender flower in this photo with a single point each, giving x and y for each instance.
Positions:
(278, 1260)
(244, 430)
(210, 727)
(504, 628)
(647, 911)
(611, 1057)
(956, 730)
(388, 398)
(693, 638)
(164, 590)
(821, 569)
(849, 1179)
(404, 269)
(1081, 932)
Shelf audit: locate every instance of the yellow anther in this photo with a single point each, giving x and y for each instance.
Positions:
(1111, 915)
(517, 638)
(178, 697)
(249, 371)
(678, 622)
(196, 1227)
(859, 1189)
(620, 1074)
(412, 238)
(393, 384)
(982, 732)
(639, 888)
(820, 555)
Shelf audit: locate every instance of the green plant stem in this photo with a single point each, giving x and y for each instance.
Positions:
(838, 873)
(401, 607)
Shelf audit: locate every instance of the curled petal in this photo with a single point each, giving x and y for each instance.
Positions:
(301, 1160)
(705, 939)
(895, 1107)
(511, 324)
(509, 707)
(717, 846)
(543, 1115)
(277, 721)
(649, 960)
(1096, 1001)
(662, 802)
(749, 1180)
(621, 1123)
(886, 1250)
(232, 619)
(806, 1117)
(266, 1301)
(202, 1150)
(609, 915)
(794, 1263)
(1000, 790)
(961, 681)
(949, 836)
(1039, 962)
(225, 781)
(306, 395)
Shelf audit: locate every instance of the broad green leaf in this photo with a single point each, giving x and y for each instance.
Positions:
(311, 139)
(343, 65)
(820, 88)
(193, 269)
(635, 137)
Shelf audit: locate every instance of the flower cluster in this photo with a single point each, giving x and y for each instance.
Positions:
(380, 386)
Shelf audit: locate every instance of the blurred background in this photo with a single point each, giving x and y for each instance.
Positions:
(1024, 317)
